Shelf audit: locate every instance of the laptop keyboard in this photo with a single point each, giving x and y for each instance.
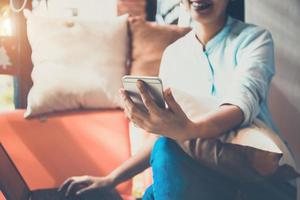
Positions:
(52, 194)
(49, 194)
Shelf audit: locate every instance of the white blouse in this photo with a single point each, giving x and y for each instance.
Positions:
(236, 67)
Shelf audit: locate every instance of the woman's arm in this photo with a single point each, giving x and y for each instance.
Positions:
(217, 122)
(84, 184)
(248, 87)
(135, 164)
(173, 122)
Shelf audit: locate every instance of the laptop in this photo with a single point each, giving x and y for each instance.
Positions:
(14, 187)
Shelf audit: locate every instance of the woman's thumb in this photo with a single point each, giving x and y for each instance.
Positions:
(170, 100)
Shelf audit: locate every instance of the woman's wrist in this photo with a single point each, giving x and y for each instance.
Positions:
(193, 130)
(188, 132)
(117, 176)
(112, 179)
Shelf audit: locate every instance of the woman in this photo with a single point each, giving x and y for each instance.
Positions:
(224, 58)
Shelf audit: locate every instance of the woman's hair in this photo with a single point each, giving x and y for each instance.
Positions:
(236, 9)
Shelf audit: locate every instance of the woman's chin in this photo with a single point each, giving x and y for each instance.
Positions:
(202, 18)
(202, 15)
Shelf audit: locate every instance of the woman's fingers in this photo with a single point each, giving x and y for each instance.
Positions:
(71, 188)
(77, 184)
(140, 123)
(86, 190)
(131, 109)
(65, 184)
(170, 100)
(136, 119)
(147, 100)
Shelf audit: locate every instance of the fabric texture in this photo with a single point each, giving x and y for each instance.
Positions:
(241, 78)
(77, 63)
(149, 40)
(177, 176)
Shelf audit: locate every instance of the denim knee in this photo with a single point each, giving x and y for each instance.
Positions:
(149, 195)
(164, 148)
(168, 174)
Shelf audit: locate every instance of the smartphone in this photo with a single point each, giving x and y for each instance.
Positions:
(153, 85)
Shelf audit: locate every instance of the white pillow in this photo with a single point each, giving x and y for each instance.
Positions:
(77, 64)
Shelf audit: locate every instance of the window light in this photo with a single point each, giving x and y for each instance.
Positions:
(5, 22)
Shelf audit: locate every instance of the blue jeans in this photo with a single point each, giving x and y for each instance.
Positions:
(176, 176)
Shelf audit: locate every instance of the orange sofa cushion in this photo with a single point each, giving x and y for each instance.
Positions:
(1, 196)
(48, 151)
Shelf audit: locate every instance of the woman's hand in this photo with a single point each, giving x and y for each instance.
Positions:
(79, 185)
(171, 122)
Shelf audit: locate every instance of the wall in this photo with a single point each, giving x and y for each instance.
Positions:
(87, 9)
(282, 19)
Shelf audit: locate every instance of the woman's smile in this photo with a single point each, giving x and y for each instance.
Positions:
(201, 5)
(212, 12)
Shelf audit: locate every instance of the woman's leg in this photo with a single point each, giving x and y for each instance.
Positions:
(268, 190)
(176, 176)
(148, 195)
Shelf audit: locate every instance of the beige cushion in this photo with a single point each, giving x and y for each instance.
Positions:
(250, 152)
(77, 63)
(149, 41)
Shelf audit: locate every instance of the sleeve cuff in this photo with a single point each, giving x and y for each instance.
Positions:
(247, 106)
